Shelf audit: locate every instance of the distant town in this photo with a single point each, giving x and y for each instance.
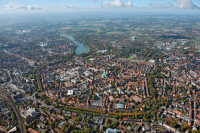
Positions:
(125, 74)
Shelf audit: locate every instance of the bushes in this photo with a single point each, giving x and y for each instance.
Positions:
(124, 114)
(38, 80)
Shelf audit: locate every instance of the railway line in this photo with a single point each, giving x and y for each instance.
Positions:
(4, 95)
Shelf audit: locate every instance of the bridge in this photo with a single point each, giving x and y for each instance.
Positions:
(5, 96)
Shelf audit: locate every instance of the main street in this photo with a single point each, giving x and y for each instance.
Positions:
(4, 95)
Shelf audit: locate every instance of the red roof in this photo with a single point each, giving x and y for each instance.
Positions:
(198, 115)
(32, 131)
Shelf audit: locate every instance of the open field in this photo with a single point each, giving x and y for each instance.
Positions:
(83, 25)
(132, 57)
(115, 32)
(65, 28)
(98, 25)
(146, 37)
(98, 30)
(127, 32)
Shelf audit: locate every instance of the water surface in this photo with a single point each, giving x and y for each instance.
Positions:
(80, 47)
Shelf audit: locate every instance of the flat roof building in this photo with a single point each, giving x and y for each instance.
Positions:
(110, 130)
(120, 106)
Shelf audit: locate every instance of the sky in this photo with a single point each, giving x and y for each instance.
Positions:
(51, 5)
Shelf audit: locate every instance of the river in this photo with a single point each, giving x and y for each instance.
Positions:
(80, 47)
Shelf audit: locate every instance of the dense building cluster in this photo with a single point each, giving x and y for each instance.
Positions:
(137, 79)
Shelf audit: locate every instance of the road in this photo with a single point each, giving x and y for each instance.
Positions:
(4, 95)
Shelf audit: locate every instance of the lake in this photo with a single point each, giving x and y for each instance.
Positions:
(80, 47)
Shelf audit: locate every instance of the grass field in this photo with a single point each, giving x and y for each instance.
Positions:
(146, 37)
(82, 25)
(86, 27)
(132, 58)
(101, 25)
(65, 28)
(135, 31)
(128, 32)
(98, 30)
(115, 32)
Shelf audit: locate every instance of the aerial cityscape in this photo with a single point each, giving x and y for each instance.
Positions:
(100, 71)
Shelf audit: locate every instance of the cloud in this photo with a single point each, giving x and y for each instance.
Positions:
(15, 6)
(65, 6)
(117, 3)
(183, 4)
(34, 7)
(158, 6)
(186, 4)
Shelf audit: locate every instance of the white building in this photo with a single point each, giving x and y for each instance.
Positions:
(70, 92)
(152, 61)
(102, 51)
(43, 44)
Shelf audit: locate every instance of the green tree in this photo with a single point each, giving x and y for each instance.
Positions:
(108, 125)
(115, 123)
(94, 97)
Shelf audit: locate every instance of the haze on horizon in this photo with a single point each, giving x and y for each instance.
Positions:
(166, 6)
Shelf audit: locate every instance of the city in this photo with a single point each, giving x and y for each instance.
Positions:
(105, 73)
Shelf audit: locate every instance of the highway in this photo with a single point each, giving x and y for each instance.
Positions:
(4, 95)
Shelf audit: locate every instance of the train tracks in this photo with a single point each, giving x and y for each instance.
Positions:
(4, 95)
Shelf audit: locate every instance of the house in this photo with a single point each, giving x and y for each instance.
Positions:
(32, 131)
(60, 125)
(53, 118)
(61, 117)
(120, 106)
(68, 113)
(74, 114)
(101, 127)
(41, 126)
(129, 129)
(70, 92)
(146, 128)
(137, 127)
(49, 111)
(71, 121)
(53, 115)
(57, 110)
(88, 117)
(79, 126)
(14, 129)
